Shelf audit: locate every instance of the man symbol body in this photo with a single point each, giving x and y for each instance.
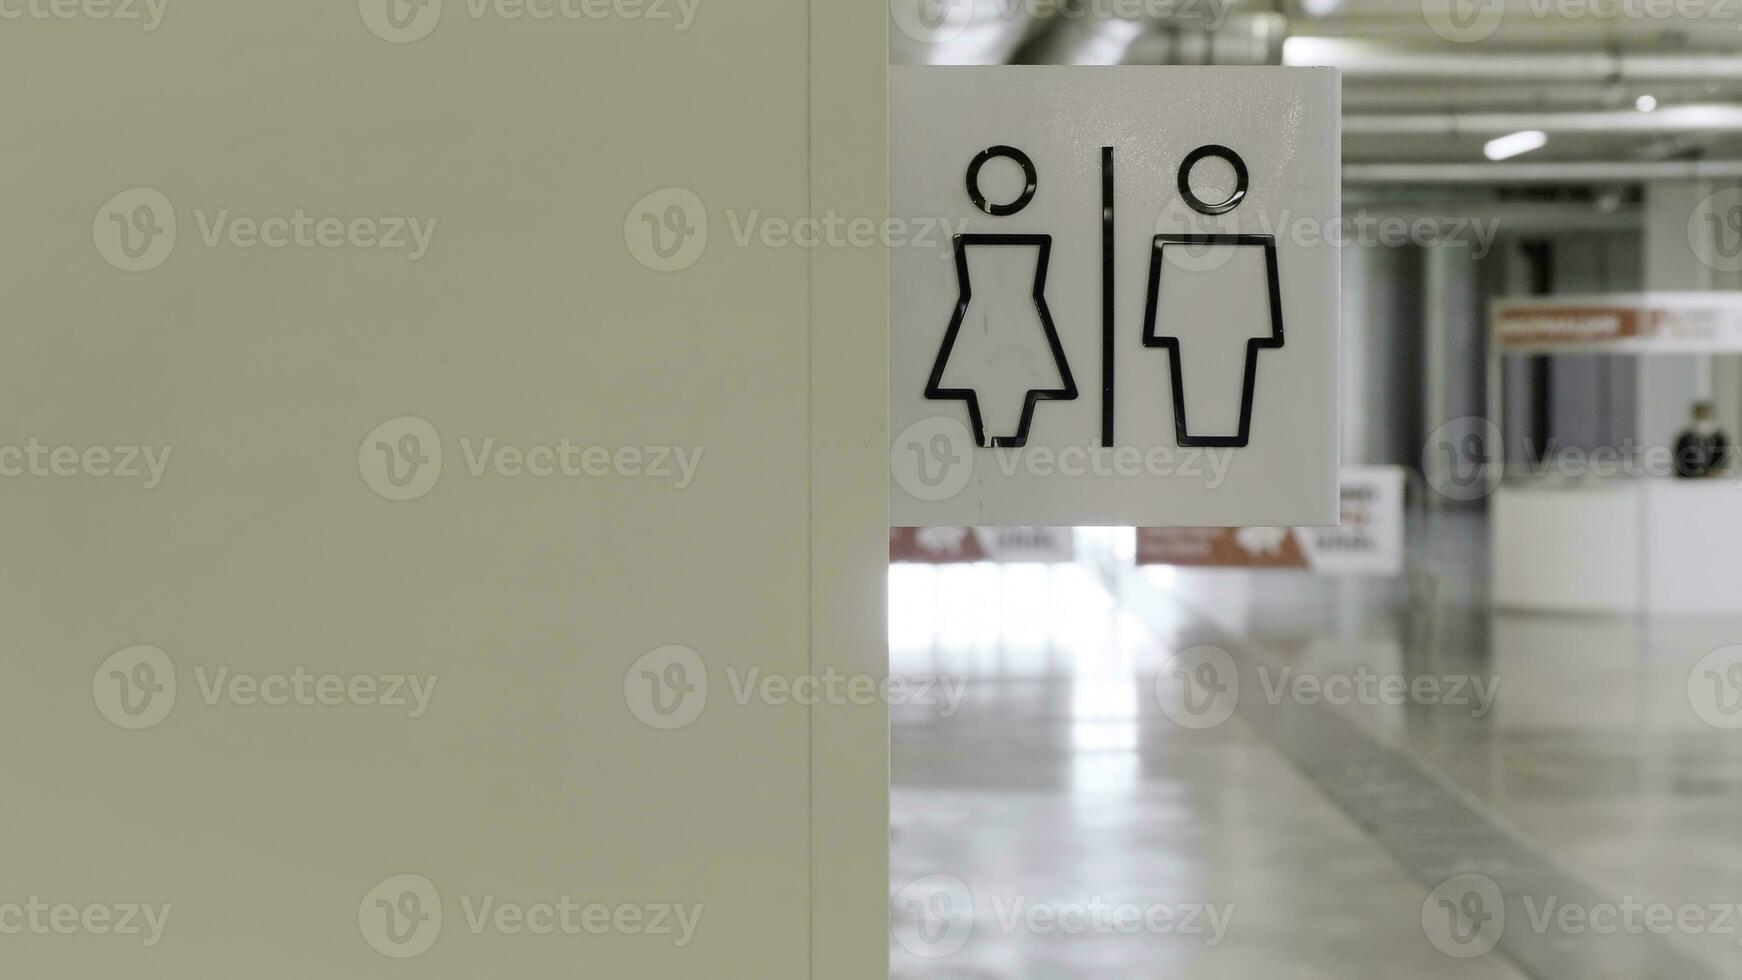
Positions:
(1205, 369)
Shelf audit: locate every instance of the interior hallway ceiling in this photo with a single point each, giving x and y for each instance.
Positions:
(1645, 88)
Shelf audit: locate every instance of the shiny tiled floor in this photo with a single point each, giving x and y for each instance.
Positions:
(1059, 785)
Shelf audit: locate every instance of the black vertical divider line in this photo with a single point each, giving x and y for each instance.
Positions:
(1107, 291)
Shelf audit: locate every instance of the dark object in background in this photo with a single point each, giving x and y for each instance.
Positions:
(1702, 449)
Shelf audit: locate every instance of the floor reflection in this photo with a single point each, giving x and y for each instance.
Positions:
(1059, 824)
(1059, 785)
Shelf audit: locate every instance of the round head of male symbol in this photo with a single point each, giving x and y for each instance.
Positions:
(1164, 323)
(1015, 156)
(1241, 178)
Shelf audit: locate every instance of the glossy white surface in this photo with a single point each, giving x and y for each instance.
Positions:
(1569, 549)
(1693, 547)
(1284, 124)
(1662, 547)
(1060, 781)
(1062, 776)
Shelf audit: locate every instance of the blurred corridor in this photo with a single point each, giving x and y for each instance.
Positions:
(1558, 758)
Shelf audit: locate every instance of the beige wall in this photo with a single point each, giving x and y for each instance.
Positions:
(270, 545)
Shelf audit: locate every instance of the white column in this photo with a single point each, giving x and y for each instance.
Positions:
(636, 451)
(1668, 386)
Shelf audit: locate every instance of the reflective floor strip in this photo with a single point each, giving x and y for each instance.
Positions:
(1435, 830)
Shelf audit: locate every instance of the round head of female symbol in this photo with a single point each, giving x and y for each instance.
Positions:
(1017, 157)
(1227, 156)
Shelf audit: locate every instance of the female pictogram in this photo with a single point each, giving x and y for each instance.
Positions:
(999, 331)
(1269, 335)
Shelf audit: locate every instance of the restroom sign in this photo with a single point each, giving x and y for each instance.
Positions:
(1137, 319)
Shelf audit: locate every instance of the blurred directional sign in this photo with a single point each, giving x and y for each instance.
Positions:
(1368, 540)
(1114, 296)
(966, 545)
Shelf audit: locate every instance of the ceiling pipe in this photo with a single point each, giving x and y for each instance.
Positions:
(1365, 60)
(1516, 96)
(1508, 217)
(924, 32)
(1558, 31)
(1674, 119)
(1249, 39)
(1540, 173)
(1234, 39)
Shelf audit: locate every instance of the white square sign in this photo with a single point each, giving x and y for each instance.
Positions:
(1114, 296)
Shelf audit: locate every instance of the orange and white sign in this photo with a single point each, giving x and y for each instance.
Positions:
(1668, 322)
(959, 545)
(1369, 540)
(1564, 324)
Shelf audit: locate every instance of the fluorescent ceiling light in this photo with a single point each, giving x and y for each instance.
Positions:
(1506, 147)
(1314, 51)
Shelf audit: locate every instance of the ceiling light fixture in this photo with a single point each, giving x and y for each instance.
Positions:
(1511, 145)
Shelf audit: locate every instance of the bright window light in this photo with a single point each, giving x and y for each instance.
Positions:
(1506, 147)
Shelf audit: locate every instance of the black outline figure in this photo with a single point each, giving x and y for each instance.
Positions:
(979, 198)
(1241, 178)
(1108, 327)
(1253, 345)
(934, 390)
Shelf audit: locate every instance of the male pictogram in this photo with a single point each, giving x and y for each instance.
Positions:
(1265, 335)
